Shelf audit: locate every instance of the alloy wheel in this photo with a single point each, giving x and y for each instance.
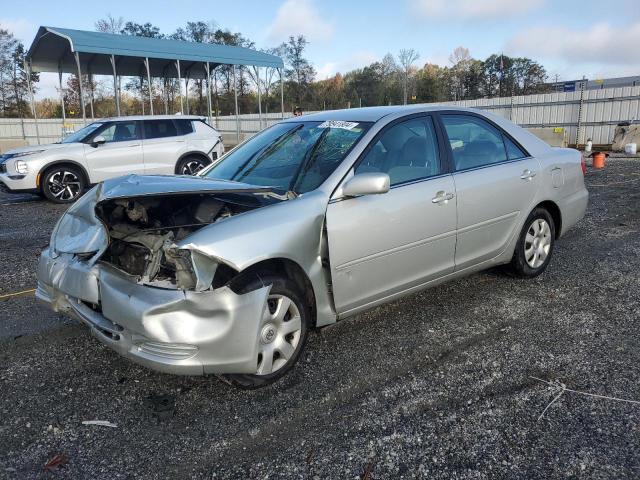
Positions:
(537, 243)
(192, 167)
(279, 334)
(64, 185)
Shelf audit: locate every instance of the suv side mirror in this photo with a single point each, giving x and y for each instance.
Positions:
(99, 140)
(370, 183)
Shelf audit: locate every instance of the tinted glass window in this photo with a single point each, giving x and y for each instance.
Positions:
(159, 129)
(83, 133)
(184, 126)
(294, 157)
(407, 151)
(513, 151)
(474, 142)
(119, 132)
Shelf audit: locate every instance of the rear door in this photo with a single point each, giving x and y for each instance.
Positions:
(163, 144)
(496, 182)
(380, 245)
(121, 154)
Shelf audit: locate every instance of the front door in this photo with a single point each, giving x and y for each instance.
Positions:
(121, 154)
(496, 182)
(380, 245)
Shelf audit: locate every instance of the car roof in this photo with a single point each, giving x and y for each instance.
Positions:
(373, 114)
(152, 117)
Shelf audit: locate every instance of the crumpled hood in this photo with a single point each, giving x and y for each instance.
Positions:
(80, 231)
(144, 185)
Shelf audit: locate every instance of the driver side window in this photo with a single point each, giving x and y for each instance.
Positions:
(119, 132)
(407, 151)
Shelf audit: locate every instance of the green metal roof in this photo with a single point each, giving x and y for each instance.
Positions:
(54, 48)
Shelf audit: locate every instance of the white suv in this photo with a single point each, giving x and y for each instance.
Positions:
(109, 148)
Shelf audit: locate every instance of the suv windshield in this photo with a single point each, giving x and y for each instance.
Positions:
(292, 156)
(83, 133)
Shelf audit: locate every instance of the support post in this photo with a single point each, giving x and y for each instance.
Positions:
(281, 94)
(81, 90)
(208, 69)
(33, 103)
(257, 72)
(580, 108)
(215, 86)
(165, 95)
(90, 78)
(235, 97)
(146, 64)
(186, 90)
(179, 82)
(64, 113)
(116, 93)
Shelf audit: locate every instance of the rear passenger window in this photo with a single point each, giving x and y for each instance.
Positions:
(184, 126)
(159, 129)
(407, 151)
(474, 142)
(513, 151)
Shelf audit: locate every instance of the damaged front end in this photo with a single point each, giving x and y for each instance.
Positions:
(144, 233)
(115, 264)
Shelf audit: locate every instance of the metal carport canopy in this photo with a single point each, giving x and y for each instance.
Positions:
(64, 50)
(54, 49)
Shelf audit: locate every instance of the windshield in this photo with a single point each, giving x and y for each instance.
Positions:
(83, 133)
(292, 156)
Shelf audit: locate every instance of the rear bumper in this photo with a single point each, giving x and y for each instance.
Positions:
(171, 331)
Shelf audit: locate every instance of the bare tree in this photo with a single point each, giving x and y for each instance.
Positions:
(407, 56)
(110, 24)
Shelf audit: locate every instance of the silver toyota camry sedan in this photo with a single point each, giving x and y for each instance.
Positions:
(313, 220)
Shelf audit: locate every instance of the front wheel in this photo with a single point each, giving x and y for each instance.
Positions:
(63, 184)
(535, 245)
(282, 335)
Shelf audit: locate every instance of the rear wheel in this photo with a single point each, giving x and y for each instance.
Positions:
(63, 184)
(191, 165)
(282, 334)
(535, 245)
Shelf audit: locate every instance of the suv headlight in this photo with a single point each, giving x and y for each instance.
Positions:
(21, 167)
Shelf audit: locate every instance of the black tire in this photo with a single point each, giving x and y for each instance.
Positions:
(520, 266)
(63, 184)
(284, 287)
(191, 165)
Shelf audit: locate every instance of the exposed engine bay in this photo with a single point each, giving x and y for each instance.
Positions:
(143, 232)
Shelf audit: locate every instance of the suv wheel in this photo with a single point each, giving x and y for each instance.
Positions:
(535, 245)
(283, 332)
(191, 165)
(63, 184)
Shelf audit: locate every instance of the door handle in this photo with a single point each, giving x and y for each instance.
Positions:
(134, 145)
(442, 197)
(527, 175)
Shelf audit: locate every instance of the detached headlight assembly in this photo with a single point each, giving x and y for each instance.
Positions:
(21, 167)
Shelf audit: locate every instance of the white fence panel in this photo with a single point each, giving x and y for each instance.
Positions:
(598, 114)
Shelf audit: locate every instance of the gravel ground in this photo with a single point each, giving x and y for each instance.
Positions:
(436, 385)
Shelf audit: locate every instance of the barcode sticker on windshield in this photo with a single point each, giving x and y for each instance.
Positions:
(338, 124)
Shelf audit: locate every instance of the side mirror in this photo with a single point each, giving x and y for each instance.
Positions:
(370, 183)
(99, 140)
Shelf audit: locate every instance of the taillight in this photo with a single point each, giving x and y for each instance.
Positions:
(583, 165)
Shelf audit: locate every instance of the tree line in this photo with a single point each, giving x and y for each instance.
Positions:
(395, 79)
